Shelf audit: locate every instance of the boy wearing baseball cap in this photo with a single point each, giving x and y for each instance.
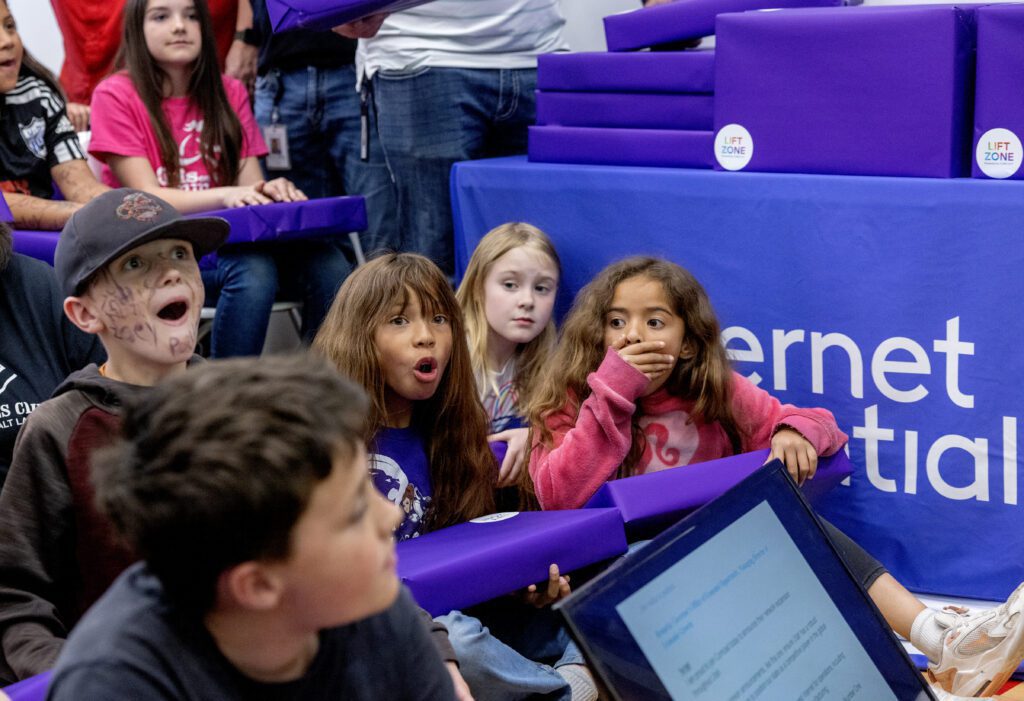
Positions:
(128, 264)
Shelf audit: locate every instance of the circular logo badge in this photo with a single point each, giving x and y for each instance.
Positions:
(733, 147)
(493, 518)
(998, 153)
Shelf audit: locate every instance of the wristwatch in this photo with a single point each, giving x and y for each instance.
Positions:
(248, 36)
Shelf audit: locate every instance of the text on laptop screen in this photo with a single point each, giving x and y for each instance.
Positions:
(743, 617)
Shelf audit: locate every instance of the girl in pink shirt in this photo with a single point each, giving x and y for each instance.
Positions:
(170, 124)
(649, 387)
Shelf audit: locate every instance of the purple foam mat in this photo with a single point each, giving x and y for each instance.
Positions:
(477, 561)
(325, 14)
(31, 689)
(282, 221)
(998, 96)
(635, 147)
(683, 19)
(5, 211)
(626, 111)
(654, 501)
(840, 90)
(646, 71)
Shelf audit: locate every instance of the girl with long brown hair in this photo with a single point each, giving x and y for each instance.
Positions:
(396, 329)
(169, 123)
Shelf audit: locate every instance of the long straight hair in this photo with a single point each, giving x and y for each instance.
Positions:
(222, 131)
(452, 422)
(530, 358)
(704, 378)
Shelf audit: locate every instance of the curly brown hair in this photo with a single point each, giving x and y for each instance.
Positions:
(704, 377)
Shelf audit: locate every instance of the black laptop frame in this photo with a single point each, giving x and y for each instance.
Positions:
(617, 658)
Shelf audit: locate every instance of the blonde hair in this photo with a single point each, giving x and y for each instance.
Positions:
(705, 377)
(452, 422)
(530, 358)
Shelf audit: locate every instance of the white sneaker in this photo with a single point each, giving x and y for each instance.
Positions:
(980, 650)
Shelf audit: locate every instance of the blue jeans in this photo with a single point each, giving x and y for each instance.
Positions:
(515, 655)
(248, 278)
(428, 119)
(321, 110)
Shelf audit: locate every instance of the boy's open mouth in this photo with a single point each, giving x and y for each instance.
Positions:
(173, 311)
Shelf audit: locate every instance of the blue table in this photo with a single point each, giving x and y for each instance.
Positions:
(891, 301)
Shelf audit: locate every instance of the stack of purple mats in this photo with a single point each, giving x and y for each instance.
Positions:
(648, 109)
(637, 108)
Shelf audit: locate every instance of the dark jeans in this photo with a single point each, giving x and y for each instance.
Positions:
(428, 119)
(247, 280)
(321, 109)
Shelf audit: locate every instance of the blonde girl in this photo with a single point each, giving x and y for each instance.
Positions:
(507, 298)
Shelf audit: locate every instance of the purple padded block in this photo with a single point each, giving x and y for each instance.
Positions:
(281, 221)
(654, 501)
(683, 19)
(998, 96)
(287, 221)
(31, 689)
(325, 14)
(36, 244)
(633, 147)
(626, 111)
(5, 211)
(646, 71)
(857, 90)
(474, 562)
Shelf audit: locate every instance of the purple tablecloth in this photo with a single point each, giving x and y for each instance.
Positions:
(850, 91)
(682, 19)
(638, 147)
(625, 110)
(651, 502)
(999, 94)
(474, 562)
(645, 71)
(325, 14)
(283, 221)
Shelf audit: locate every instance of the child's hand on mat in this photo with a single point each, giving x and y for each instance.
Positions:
(281, 190)
(515, 455)
(796, 452)
(462, 692)
(645, 356)
(244, 196)
(556, 588)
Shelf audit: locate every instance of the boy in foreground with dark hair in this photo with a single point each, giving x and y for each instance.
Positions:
(269, 562)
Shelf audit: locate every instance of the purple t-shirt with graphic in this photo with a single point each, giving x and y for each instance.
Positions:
(401, 472)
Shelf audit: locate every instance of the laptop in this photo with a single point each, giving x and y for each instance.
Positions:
(746, 599)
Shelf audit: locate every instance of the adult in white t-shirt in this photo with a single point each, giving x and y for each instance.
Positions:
(454, 80)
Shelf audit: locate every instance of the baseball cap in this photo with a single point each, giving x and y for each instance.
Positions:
(116, 222)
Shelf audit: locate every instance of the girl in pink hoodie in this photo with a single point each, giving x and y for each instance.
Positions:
(640, 382)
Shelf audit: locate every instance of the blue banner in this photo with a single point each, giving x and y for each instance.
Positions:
(890, 301)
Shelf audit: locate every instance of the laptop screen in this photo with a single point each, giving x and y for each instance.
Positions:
(746, 599)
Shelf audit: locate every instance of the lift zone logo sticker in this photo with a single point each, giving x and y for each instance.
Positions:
(733, 147)
(999, 153)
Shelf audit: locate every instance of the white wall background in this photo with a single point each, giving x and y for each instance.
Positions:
(584, 28)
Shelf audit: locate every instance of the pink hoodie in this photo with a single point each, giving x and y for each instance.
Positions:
(589, 445)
